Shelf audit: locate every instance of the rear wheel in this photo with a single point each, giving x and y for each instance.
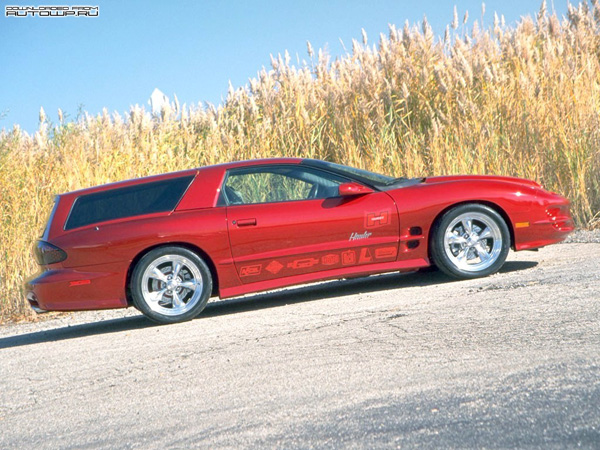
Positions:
(470, 241)
(171, 284)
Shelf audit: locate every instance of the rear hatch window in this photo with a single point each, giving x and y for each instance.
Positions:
(50, 218)
(146, 198)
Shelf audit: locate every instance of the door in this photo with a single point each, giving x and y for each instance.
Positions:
(286, 220)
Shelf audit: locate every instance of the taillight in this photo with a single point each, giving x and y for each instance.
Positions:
(46, 253)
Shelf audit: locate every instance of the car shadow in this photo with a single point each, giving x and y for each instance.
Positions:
(289, 296)
(338, 288)
(77, 331)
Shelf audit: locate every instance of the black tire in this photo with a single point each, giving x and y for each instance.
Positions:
(429, 269)
(171, 284)
(463, 253)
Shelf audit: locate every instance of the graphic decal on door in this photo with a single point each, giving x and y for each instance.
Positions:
(248, 271)
(361, 255)
(365, 256)
(386, 252)
(348, 258)
(330, 260)
(303, 263)
(274, 267)
(377, 219)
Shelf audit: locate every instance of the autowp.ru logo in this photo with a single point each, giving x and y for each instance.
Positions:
(51, 11)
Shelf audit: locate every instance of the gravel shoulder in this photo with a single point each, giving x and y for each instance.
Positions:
(411, 360)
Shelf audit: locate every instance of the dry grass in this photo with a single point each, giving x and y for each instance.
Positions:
(521, 100)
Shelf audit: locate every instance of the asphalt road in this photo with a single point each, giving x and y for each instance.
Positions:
(413, 360)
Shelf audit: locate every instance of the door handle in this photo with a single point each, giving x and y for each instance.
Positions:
(245, 222)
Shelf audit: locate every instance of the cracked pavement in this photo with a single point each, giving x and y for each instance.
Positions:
(396, 360)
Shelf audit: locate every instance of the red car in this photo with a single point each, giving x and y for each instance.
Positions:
(165, 244)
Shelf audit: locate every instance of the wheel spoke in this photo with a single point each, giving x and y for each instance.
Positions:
(156, 296)
(462, 255)
(176, 269)
(487, 233)
(467, 225)
(452, 238)
(191, 285)
(157, 274)
(482, 252)
(177, 303)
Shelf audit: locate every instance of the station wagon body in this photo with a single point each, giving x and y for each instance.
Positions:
(166, 243)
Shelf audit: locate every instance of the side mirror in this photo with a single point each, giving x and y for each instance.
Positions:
(350, 189)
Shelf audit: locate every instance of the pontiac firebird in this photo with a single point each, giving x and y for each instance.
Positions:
(166, 243)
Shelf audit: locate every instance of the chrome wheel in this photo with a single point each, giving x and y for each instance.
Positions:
(473, 242)
(172, 285)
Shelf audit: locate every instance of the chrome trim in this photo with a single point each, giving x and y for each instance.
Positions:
(473, 242)
(172, 285)
(31, 298)
(38, 310)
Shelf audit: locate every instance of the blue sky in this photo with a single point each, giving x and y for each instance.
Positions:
(189, 48)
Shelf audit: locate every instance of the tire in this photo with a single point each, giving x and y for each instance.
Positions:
(429, 269)
(470, 241)
(164, 298)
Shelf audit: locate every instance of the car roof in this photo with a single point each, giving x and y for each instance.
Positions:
(254, 162)
(133, 181)
(181, 173)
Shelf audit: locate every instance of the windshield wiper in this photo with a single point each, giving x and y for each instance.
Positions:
(396, 180)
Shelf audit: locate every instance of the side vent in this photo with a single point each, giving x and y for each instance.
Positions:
(412, 244)
(415, 231)
(411, 238)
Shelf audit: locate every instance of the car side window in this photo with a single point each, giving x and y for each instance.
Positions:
(262, 184)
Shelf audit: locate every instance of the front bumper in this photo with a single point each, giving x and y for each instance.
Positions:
(550, 223)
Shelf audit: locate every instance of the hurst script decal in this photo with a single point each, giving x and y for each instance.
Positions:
(292, 266)
(356, 236)
(51, 11)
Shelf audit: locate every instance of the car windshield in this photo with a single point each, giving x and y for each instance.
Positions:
(358, 174)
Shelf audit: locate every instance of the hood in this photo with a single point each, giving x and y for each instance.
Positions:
(452, 178)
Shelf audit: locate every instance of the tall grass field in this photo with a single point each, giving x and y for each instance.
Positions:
(520, 100)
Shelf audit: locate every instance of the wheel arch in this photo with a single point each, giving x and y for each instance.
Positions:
(489, 204)
(193, 248)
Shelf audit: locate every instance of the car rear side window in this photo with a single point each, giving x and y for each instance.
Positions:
(146, 198)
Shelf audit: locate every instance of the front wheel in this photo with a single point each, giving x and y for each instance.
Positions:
(171, 284)
(470, 241)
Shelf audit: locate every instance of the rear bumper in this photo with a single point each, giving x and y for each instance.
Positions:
(66, 289)
(33, 302)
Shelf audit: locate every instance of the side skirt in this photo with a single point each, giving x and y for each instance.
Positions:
(323, 275)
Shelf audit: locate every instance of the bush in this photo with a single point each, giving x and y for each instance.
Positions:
(520, 101)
